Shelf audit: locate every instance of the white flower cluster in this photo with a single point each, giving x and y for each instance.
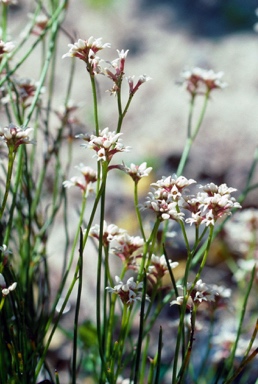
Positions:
(136, 171)
(105, 145)
(129, 292)
(168, 198)
(14, 136)
(159, 267)
(85, 182)
(199, 293)
(201, 81)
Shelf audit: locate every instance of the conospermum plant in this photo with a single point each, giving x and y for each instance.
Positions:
(158, 318)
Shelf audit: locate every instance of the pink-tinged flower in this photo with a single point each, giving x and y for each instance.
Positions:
(201, 292)
(171, 187)
(158, 267)
(14, 136)
(201, 81)
(109, 232)
(26, 89)
(129, 292)
(128, 248)
(5, 48)
(85, 183)
(136, 171)
(86, 50)
(208, 206)
(9, 2)
(6, 291)
(163, 208)
(40, 23)
(105, 145)
(116, 71)
(133, 88)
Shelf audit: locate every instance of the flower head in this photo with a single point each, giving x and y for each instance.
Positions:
(14, 136)
(109, 232)
(133, 88)
(85, 182)
(200, 292)
(86, 50)
(129, 292)
(158, 266)
(6, 291)
(127, 248)
(105, 145)
(201, 81)
(40, 23)
(5, 47)
(136, 171)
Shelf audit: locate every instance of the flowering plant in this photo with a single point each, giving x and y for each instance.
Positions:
(138, 283)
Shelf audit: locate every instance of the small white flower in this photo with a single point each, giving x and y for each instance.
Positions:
(6, 291)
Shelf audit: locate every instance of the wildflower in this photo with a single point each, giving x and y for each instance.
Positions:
(40, 23)
(9, 2)
(197, 294)
(127, 248)
(26, 89)
(208, 206)
(5, 48)
(5, 251)
(129, 292)
(64, 112)
(133, 88)
(6, 291)
(136, 171)
(163, 208)
(159, 267)
(86, 50)
(85, 183)
(105, 145)
(109, 232)
(14, 136)
(201, 81)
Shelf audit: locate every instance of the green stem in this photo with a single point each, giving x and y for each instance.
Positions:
(230, 362)
(95, 103)
(136, 204)
(11, 158)
(189, 347)
(79, 270)
(192, 135)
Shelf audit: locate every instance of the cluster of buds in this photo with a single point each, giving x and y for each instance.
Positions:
(202, 81)
(14, 136)
(85, 182)
(168, 198)
(129, 292)
(106, 145)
